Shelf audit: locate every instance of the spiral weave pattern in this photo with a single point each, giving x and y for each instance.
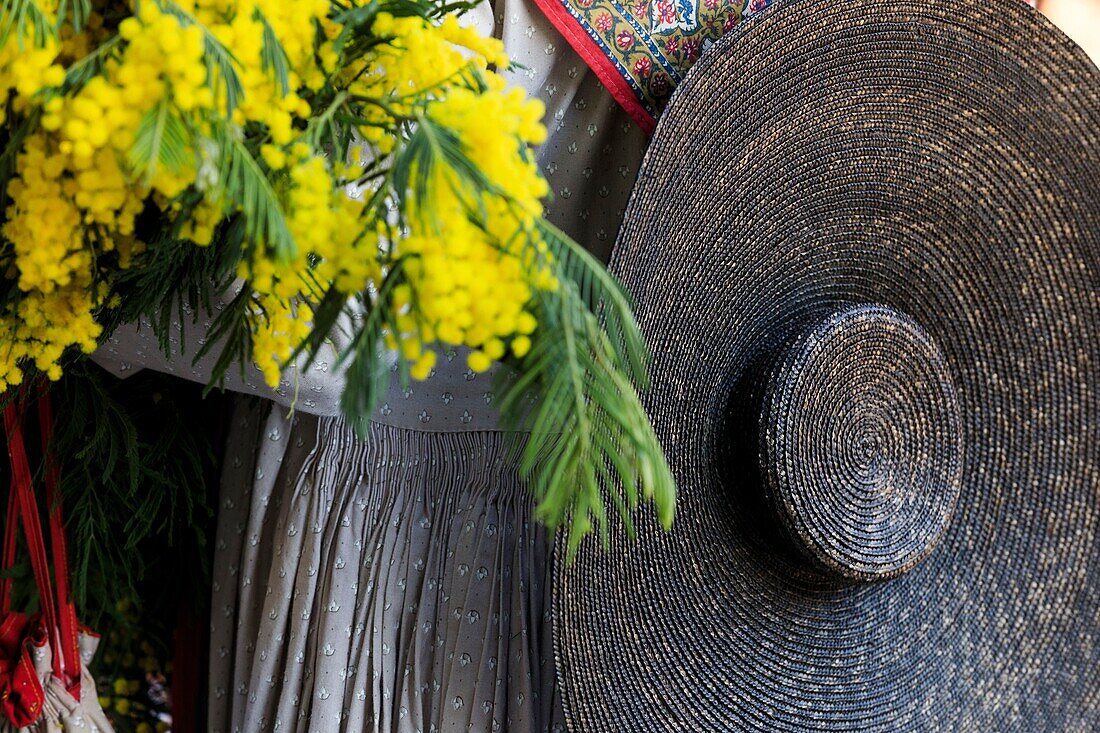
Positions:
(938, 159)
(860, 445)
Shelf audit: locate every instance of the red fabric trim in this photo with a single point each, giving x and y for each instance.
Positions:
(70, 649)
(22, 488)
(8, 560)
(58, 612)
(12, 628)
(21, 693)
(598, 61)
(25, 694)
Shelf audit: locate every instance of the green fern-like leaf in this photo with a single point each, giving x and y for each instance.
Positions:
(221, 64)
(602, 295)
(80, 72)
(231, 333)
(76, 12)
(327, 130)
(273, 55)
(21, 16)
(162, 140)
(245, 183)
(591, 441)
(368, 373)
(135, 467)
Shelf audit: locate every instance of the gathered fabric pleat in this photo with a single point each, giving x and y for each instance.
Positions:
(397, 583)
(392, 583)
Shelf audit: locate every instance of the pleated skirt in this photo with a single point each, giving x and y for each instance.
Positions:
(393, 583)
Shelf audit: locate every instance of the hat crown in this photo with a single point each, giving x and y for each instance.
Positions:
(860, 443)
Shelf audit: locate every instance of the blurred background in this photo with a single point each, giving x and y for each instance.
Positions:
(1080, 19)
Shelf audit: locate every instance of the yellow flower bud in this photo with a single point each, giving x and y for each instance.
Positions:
(423, 366)
(273, 156)
(494, 348)
(526, 323)
(410, 348)
(478, 361)
(520, 346)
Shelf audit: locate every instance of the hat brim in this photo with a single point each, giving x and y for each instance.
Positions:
(941, 159)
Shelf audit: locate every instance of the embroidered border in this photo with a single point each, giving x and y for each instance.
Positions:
(641, 49)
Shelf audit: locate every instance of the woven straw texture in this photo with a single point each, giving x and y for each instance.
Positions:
(865, 249)
(860, 446)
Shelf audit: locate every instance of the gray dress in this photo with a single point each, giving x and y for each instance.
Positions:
(397, 583)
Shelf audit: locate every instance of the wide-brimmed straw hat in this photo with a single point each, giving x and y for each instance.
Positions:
(865, 250)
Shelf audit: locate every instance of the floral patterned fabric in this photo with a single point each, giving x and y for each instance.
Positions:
(640, 49)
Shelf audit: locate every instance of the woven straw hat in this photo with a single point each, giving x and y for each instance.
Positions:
(865, 249)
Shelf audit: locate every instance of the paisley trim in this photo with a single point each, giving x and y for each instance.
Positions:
(610, 73)
(640, 49)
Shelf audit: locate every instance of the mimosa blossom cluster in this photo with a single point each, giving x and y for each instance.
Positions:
(181, 122)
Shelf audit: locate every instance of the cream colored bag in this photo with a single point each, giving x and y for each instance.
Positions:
(60, 711)
(44, 681)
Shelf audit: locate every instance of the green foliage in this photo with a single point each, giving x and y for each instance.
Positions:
(231, 329)
(75, 12)
(162, 139)
(368, 374)
(431, 145)
(244, 180)
(591, 440)
(273, 55)
(356, 38)
(91, 65)
(137, 461)
(221, 64)
(21, 16)
(324, 134)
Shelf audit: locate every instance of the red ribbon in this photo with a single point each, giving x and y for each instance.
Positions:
(66, 609)
(21, 693)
